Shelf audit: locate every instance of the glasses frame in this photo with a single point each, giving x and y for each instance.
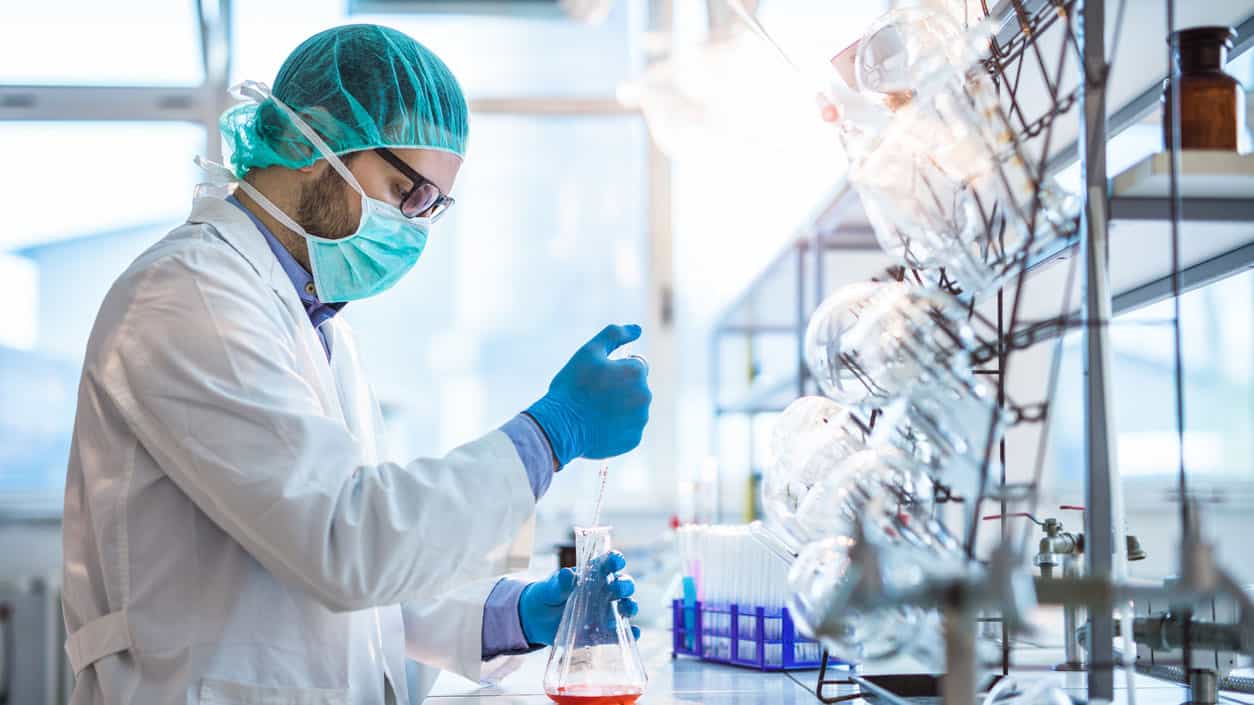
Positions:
(442, 202)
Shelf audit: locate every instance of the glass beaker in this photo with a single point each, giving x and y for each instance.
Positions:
(594, 660)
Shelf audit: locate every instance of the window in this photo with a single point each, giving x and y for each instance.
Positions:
(548, 243)
(92, 196)
(1217, 337)
(87, 42)
(75, 179)
(1218, 343)
(492, 56)
(1218, 347)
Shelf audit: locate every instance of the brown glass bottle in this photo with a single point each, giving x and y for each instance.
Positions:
(1212, 103)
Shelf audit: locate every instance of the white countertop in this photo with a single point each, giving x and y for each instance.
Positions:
(688, 681)
(683, 680)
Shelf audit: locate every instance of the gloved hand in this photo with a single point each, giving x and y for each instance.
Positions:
(596, 407)
(541, 604)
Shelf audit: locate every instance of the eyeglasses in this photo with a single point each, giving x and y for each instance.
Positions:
(424, 198)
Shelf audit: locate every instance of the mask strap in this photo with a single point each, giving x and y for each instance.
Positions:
(259, 92)
(219, 174)
(274, 211)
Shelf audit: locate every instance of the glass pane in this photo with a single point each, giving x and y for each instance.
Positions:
(93, 197)
(508, 56)
(125, 42)
(492, 56)
(79, 179)
(36, 418)
(1218, 347)
(547, 244)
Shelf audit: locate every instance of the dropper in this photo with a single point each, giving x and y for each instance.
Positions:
(604, 474)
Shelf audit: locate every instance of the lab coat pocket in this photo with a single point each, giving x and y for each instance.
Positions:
(220, 692)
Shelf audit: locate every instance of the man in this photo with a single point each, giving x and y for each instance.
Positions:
(232, 532)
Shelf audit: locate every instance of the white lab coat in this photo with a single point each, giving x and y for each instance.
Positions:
(231, 535)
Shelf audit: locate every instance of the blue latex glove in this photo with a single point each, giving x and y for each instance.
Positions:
(596, 407)
(541, 604)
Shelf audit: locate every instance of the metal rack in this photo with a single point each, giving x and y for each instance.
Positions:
(777, 305)
(1083, 26)
(1072, 81)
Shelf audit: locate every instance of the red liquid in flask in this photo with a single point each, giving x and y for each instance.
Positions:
(594, 695)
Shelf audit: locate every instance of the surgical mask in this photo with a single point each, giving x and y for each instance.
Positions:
(384, 247)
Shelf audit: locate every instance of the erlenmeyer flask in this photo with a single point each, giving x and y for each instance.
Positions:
(594, 660)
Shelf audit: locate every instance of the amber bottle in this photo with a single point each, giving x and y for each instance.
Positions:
(1212, 103)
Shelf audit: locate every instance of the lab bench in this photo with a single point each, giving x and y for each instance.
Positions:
(681, 680)
(688, 681)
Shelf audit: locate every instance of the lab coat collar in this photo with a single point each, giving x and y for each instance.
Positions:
(235, 227)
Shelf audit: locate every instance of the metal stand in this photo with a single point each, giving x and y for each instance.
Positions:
(1095, 585)
(891, 688)
(1100, 476)
(1203, 687)
(958, 686)
(1071, 615)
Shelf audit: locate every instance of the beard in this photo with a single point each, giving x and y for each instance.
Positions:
(324, 207)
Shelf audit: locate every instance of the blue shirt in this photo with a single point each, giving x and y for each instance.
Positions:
(318, 311)
(502, 629)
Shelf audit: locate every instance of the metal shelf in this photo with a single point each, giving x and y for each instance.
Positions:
(1135, 108)
(763, 398)
(834, 240)
(1214, 210)
(768, 304)
(1217, 240)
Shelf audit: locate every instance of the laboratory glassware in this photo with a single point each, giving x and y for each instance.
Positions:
(832, 506)
(944, 181)
(1212, 102)
(594, 660)
(877, 498)
(810, 437)
(906, 350)
(822, 579)
(837, 330)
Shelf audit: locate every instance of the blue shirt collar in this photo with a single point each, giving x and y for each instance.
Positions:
(301, 279)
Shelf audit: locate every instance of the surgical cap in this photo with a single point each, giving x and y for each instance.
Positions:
(360, 87)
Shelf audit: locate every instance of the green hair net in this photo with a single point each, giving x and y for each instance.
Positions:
(360, 87)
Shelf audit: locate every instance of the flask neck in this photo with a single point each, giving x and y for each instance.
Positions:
(1201, 49)
(590, 543)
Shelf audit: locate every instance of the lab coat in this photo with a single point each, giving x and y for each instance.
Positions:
(231, 533)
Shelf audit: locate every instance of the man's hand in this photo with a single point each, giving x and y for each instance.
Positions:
(596, 407)
(541, 604)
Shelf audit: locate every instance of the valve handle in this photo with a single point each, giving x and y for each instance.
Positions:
(1072, 507)
(1034, 520)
